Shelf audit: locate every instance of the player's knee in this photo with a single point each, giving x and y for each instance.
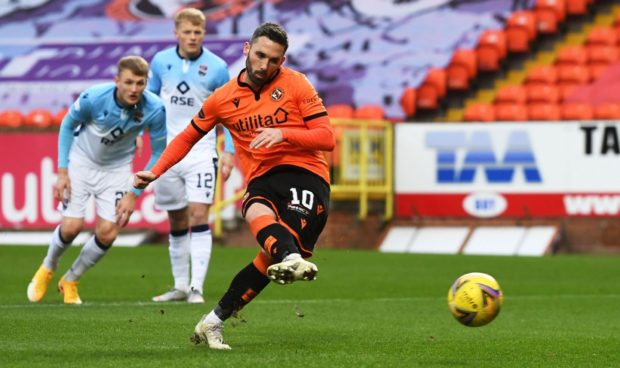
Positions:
(198, 215)
(69, 230)
(106, 233)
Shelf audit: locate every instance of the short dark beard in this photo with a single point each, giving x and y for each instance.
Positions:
(248, 72)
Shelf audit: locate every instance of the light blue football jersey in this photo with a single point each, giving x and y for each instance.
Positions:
(183, 85)
(100, 133)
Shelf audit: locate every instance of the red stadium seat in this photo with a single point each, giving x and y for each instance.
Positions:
(607, 111)
(432, 89)
(597, 70)
(573, 74)
(11, 119)
(542, 74)
(600, 57)
(408, 101)
(491, 50)
(520, 31)
(480, 112)
(511, 94)
(544, 111)
(572, 55)
(39, 118)
(510, 112)
(340, 111)
(577, 7)
(567, 89)
(577, 111)
(59, 116)
(604, 36)
(602, 54)
(461, 69)
(542, 94)
(369, 112)
(549, 13)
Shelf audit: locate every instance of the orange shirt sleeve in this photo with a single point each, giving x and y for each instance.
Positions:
(180, 146)
(319, 133)
(177, 149)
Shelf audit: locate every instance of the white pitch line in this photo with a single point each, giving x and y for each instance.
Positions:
(302, 301)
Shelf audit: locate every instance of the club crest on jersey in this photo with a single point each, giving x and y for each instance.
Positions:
(235, 102)
(202, 69)
(277, 94)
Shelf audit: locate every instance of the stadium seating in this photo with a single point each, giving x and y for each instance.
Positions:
(520, 31)
(604, 36)
(408, 101)
(432, 89)
(544, 111)
(340, 111)
(491, 50)
(510, 112)
(480, 112)
(607, 111)
(11, 119)
(511, 94)
(59, 116)
(542, 74)
(542, 94)
(549, 14)
(462, 68)
(577, 111)
(577, 7)
(571, 74)
(599, 59)
(572, 55)
(369, 112)
(39, 118)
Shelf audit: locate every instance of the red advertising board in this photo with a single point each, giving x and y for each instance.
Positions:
(27, 176)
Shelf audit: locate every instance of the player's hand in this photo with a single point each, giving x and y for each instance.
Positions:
(125, 208)
(139, 145)
(142, 178)
(227, 161)
(62, 188)
(267, 137)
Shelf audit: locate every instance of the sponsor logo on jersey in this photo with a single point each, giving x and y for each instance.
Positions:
(183, 87)
(277, 94)
(250, 123)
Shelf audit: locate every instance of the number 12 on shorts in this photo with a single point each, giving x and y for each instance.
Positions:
(205, 180)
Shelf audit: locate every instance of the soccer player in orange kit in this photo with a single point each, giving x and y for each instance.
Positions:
(279, 127)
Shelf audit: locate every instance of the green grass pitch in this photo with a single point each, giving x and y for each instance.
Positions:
(366, 309)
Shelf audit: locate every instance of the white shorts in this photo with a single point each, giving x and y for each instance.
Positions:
(191, 180)
(107, 186)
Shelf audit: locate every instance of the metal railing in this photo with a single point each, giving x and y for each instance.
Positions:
(362, 163)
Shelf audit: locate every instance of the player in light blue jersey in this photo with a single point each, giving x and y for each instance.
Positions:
(96, 146)
(184, 76)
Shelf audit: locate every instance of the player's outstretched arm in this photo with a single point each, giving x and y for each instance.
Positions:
(142, 178)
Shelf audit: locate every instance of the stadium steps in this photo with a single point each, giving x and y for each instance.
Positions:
(545, 56)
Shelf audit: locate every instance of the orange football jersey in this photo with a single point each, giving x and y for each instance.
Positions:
(288, 102)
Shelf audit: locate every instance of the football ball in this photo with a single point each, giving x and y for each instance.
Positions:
(475, 299)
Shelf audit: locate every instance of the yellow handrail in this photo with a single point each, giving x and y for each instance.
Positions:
(360, 153)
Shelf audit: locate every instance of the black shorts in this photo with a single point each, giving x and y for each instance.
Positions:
(299, 198)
